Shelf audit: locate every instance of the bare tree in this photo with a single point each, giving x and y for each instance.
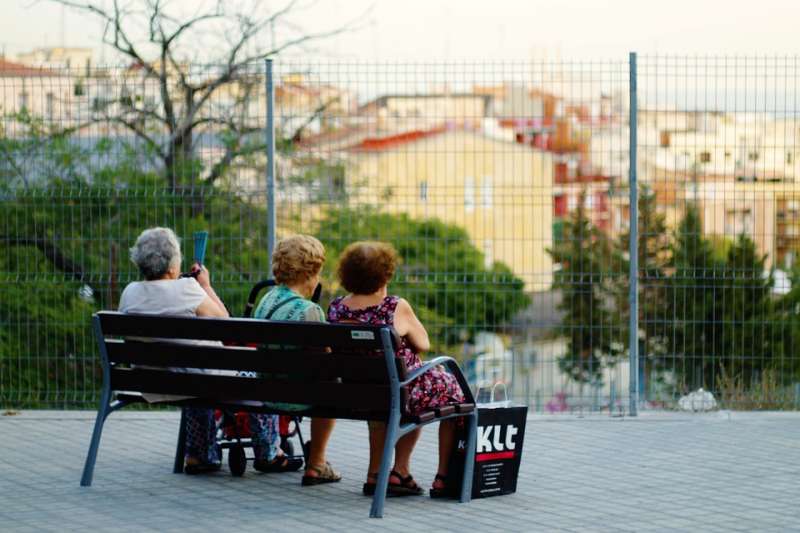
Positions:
(165, 49)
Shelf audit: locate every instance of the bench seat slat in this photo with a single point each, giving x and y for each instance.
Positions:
(241, 330)
(317, 365)
(220, 388)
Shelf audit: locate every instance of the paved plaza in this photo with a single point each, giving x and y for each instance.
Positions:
(659, 472)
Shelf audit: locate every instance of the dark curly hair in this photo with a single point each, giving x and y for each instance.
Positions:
(364, 267)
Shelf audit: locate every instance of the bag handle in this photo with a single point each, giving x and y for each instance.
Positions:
(494, 391)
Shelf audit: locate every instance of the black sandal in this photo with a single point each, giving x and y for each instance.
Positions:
(444, 491)
(406, 487)
(280, 464)
(369, 487)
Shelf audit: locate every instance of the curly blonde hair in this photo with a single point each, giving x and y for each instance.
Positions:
(297, 258)
(365, 267)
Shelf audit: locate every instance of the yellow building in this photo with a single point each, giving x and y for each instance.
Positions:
(500, 192)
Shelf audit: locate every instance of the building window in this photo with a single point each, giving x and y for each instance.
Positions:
(423, 191)
(789, 158)
(49, 105)
(469, 194)
(487, 192)
(572, 202)
(738, 222)
(705, 157)
(488, 253)
(752, 156)
(23, 100)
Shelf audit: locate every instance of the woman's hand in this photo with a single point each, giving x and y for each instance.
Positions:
(211, 306)
(202, 275)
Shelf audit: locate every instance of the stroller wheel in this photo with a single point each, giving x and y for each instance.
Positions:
(237, 460)
(287, 447)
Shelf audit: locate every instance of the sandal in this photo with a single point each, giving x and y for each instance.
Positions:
(193, 469)
(280, 464)
(406, 487)
(325, 474)
(440, 492)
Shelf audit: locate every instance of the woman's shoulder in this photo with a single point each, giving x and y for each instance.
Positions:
(188, 284)
(314, 313)
(394, 302)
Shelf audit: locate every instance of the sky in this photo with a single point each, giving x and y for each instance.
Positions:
(513, 30)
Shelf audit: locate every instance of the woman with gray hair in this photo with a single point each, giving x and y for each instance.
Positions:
(157, 254)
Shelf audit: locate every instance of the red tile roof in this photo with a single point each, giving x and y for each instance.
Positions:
(377, 144)
(10, 69)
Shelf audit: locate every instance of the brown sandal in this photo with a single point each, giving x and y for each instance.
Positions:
(325, 474)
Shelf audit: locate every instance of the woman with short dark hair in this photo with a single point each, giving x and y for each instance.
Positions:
(365, 269)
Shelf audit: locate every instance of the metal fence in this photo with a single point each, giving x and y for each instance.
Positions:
(505, 188)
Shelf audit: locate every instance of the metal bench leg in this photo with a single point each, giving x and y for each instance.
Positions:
(376, 511)
(303, 447)
(91, 457)
(180, 451)
(469, 457)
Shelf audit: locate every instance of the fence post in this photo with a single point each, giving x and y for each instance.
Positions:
(270, 134)
(633, 296)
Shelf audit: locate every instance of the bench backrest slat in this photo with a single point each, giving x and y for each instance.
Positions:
(229, 388)
(315, 364)
(241, 330)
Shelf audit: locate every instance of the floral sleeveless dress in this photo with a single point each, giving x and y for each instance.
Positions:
(436, 388)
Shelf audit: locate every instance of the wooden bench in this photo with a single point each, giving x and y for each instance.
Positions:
(343, 371)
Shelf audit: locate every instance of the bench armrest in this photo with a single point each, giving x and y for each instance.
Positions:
(452, 366)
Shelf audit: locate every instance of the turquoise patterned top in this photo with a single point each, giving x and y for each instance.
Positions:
(299, 309)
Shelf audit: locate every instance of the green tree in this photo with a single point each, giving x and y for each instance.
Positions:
(586, 283)
(691, 291)
(64, 238)
(719, 310)
(442, 274)
(748, 343)
(787, 319)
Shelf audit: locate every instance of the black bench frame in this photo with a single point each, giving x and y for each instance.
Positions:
(127, 372)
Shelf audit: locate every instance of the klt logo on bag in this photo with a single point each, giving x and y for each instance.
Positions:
(494, 442)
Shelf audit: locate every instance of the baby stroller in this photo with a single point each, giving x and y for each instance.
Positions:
(233, 429)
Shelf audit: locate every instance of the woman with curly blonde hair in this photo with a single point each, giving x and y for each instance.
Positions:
(296, 266)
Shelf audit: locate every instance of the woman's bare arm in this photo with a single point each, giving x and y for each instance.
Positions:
(210, 308)
(408, 325)
(212, 305)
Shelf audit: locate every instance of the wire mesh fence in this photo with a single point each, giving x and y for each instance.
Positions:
(504, 187)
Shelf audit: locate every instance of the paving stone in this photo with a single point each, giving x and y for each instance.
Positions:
(659, 472)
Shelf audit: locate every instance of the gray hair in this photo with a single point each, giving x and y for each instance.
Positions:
(155, 252)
